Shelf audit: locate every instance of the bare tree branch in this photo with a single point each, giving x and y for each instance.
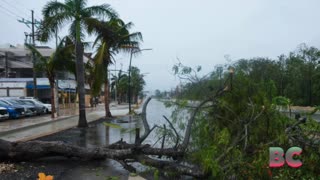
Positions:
(163, 138)
(175, 131)
(220, 92)
(173, 167)
(146, 134)
(146, 126)
(190, 123)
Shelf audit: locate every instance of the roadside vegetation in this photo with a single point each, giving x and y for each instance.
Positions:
(294, 76)
(235, 115)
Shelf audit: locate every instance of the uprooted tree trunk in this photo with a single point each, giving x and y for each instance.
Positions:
(121, 151)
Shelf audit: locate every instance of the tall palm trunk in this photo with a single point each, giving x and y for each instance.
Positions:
(53, 104)
(80, 78)
(106, 96)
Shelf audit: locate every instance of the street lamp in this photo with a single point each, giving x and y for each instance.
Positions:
(133, 51)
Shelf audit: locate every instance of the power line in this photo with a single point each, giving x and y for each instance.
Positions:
(22, 5)
(15, 7)
(8, 14)
(9, 11)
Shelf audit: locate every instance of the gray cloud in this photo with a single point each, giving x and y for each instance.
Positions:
(199, 32)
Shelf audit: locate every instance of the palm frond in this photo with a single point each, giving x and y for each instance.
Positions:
(38, 55)
(136, 36)
(104, 11)
(123, 28)
(92, 24)
(50, 24)
(64, 58)
(80, 4)
(97, 41)
(101, 53)
(53, 7)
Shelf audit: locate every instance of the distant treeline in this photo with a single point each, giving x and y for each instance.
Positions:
(295, 76)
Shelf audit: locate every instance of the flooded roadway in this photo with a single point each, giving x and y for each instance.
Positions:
(98, 135)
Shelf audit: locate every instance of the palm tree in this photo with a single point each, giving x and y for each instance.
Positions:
(56, 14)
(123, 87)
(61, 59)
(91, 80)
(137, 83)
(119, 84)
(112, 37)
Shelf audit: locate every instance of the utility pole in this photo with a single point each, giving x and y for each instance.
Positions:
(129, 90)
(33, 23)
(35, 94)
(133, 51)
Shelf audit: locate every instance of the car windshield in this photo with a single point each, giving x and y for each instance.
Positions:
(3, 104)
(14, 102)
(6, 103)
(27, 102)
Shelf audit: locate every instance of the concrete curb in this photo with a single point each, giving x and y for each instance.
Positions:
(3, 133)
(94, 118)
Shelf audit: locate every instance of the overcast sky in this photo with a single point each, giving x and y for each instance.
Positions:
(198, 32)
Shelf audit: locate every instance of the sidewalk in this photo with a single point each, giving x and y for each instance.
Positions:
(34, 127)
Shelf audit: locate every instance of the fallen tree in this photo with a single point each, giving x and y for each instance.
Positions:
(239, 131)
(120, 151)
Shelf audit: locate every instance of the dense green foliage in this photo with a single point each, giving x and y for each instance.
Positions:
(232, 133)
(120, 85)
(295, 76)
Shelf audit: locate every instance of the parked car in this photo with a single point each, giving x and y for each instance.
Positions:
(40, 108)
(14, 112)
(31, 99)
(4, 114)
(31, 108)
(28, 110)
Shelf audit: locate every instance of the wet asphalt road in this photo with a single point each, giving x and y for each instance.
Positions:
(64, 168)
(96, 135)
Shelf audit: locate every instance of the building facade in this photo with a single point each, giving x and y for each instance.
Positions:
(16, 76)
